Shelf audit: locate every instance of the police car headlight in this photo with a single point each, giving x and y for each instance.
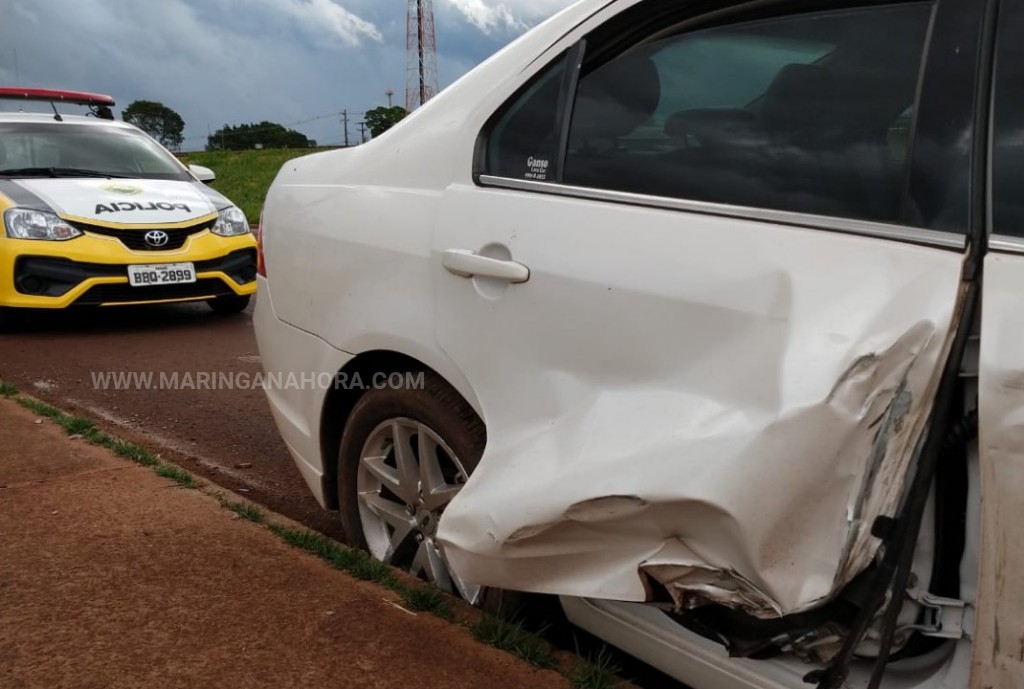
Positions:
(230, 223)
(24, 223)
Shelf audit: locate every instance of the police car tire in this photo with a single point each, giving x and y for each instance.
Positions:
(229, 304)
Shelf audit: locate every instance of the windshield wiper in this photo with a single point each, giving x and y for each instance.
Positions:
(57, 172)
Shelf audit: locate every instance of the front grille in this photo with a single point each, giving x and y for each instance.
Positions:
(125, 293)
(53, 277)
(136, 239)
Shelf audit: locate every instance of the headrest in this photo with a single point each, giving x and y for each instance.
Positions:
(616, 98)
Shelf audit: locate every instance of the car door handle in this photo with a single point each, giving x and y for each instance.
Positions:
(468, 264)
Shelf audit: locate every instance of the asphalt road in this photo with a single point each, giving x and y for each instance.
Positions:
(227, 436)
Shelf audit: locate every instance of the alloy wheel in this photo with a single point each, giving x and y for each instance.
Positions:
(407, 475)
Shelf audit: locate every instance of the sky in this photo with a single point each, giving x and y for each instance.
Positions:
(216, 62)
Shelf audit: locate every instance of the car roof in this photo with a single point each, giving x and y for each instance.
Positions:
(44, 117)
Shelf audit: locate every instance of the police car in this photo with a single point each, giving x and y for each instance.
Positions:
(96, 213)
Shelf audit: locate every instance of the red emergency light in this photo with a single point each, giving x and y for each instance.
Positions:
(55, 95)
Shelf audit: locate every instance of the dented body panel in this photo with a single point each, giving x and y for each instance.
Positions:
(728, 429)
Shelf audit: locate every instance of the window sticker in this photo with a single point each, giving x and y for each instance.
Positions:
(537, 168)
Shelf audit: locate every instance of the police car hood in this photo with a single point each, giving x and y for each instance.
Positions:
(124, 201)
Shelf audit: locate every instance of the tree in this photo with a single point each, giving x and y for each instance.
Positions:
(245, 136)
(157, 120)
(381, 119)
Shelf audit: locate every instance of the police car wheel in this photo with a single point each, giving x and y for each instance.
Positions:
(229, 304)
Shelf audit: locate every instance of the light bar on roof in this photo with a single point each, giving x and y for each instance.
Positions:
(54, 95)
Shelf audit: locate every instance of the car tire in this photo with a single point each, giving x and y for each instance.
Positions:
(370, 506)
(229, 305)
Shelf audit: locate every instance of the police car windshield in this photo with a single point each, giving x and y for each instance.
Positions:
(35, 149)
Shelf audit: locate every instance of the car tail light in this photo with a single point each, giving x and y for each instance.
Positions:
(261, 264)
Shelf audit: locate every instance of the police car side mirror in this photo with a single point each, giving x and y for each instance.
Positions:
(203, 174)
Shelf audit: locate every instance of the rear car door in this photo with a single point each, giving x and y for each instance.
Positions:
(703, 281)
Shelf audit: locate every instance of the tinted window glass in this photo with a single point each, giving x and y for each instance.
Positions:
(807, 113)
(522, 140)
(1008, 154)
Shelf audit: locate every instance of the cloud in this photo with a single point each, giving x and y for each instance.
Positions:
(297, 62)
(486, 17)
(327, 18)
(510, 15)
(26, 14)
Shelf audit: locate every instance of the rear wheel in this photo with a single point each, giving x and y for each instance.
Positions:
(404, 455)
(233, 304)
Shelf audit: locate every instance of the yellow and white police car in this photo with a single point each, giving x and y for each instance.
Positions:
(95, 212)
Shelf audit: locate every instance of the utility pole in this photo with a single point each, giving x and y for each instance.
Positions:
(389, 93)
(362, 132)
(344, 118)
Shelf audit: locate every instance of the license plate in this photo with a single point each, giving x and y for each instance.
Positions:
(161, 274)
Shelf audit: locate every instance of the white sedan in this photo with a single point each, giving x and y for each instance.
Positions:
(674, 310)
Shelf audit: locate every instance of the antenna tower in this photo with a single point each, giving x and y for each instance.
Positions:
(420, 54)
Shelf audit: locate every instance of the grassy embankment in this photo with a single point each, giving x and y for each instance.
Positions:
(245, 176)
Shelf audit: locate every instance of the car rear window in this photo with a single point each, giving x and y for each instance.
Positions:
(806, 113)
(811, 112)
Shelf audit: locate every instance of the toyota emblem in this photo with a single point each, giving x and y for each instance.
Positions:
(157, 238)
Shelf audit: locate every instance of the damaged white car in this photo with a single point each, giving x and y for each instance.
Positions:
(706, 317)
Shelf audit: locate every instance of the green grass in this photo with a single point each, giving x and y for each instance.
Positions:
(8, 390)
(179, 476)
(508, 636)
(369, 569)
(87, 429)
(356, 562)
(129, 451)
(511, 637)
(42, 409)
(245, 511)
(78, 426)
(427, 599)
(596, 672)
(310, 541)
(245, 176)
